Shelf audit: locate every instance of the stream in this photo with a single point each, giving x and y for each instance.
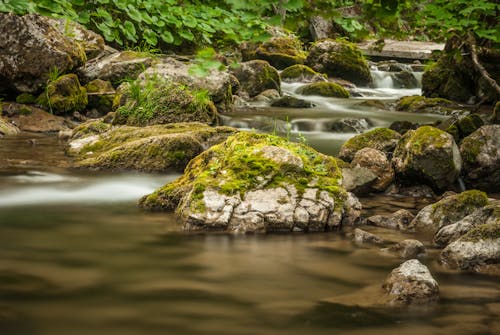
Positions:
(78, 256)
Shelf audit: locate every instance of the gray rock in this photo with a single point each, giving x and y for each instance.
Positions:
(407, 249)
(477, 250)
(7, 128)
(377, 162)
(382, 139)
(481, 156)
(452, 232)
(358, 179)
(364, 237)
(411, 284)
(427, 155)
(292, 102)
(257, 76)
(398, 220)
(115, 67)
(448, 211)
(320, 28)
(30, 48)
(33, 119)
(348, 125)
(92, 43)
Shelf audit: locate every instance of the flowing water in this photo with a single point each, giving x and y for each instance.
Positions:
(78, 257)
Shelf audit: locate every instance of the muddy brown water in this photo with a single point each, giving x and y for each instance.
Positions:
(78, 257)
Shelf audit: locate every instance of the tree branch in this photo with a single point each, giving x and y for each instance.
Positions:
(471, 43)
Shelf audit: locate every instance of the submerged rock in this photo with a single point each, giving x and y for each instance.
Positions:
(339, 58)
(481, 156)
(31, 47)
(397, 220)
(64, 95)
(281, 51)
(301, 73)
(256, 76)
(476, 251)
(448, 211)
(429, 156)
(485, 215)
(407, 249)
(382, 139)
(364, 237)
(258, 183)
(292, 102)
(158, 148)
(325, 89)
(411, 284)
(348, 125)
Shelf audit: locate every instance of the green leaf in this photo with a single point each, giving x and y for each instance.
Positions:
(186, 34)
(133, 13)
(167, 37)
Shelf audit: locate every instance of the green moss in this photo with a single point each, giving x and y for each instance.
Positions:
(281, 52)
(495, 116)
(93, 127)
(326, 89)
(25, 98)
(424, 137)
(489, 231)
(64, 94)
(470, 148)
(465, 202)
(468, 124)
(300, 72)
(383, 139)
(420, 104)
(340, 59)
(240, 164)
(159, 101)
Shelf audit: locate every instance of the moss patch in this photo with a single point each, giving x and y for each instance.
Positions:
(240, 164)
(465, 202)
(301, 72)
(281, 52)
(25, 98)
(64, 95)
(420, 104)
(155, 148)
(489, 231)
(159, 101)
(383, 139)
(325, 89)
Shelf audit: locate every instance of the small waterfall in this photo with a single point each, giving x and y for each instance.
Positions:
(382, 79)
(395, 76)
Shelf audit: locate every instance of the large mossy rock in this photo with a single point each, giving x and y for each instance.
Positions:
(382, 139)
(429, 156)
(63, 95)
(420, 104)
(281, 52)
(447, 211)
(456, 78)
(158, 148)
(257, 76)
(220, 85)
(258, 183)
(476, 251)
(301, 73)
(481, 156)
(325, 89)
(339, 59)
(116, 67)
(159, 101)
(100, 95)
(30, 48)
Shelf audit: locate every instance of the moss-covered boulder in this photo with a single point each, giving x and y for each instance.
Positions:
(256, 76)
(325, 89)
(376, 161)
(476, 251)
(159, 101)
(420, 104)
(382, 139)
(461, 126)
(481, 157)
(158, 148)
(301, 73)
(429, 156)
(340, 59)
(26, 98)
(6, 128)
(448, 210)
(30, 48)
(116, 67)
(63, 95)
(258, 183)
(220, 85)
(100, 94)
(281, 51)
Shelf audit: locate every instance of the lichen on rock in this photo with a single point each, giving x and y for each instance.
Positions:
(258, 183)
(281, 51)
(326, 89)
(420, 104)
(301, 73)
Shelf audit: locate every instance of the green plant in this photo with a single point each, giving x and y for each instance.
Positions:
(53, 75)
